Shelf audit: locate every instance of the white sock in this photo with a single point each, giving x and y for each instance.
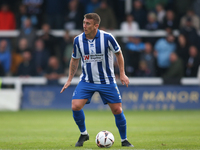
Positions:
(84, 133)
(122, 140)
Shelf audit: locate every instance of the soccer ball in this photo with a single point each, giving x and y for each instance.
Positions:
(104, 139)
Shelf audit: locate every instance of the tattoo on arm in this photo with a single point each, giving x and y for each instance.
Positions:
(117, 53)
(73, 68)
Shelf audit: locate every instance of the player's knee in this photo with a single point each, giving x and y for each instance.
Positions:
(117, 110)
(76, 107)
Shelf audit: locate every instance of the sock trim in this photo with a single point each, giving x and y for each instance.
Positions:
(84, 133)
(122, 140)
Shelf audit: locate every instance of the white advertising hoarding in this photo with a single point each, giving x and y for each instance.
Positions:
(9, 100)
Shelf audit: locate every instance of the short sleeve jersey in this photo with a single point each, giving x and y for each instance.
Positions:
(96, 57)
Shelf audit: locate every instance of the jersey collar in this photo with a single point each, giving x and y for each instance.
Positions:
(96, 36)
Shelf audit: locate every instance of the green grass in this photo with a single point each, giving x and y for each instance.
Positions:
(56, 129)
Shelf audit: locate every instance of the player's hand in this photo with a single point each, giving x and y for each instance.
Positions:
(124, 79)
(65, 86)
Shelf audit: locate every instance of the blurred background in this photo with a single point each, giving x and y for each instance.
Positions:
(159, 39)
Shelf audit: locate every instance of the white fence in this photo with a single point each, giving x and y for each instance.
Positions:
(18, 82)
(116, 33)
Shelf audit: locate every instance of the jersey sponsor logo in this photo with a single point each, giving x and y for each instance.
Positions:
(93, 58)
(86, 57)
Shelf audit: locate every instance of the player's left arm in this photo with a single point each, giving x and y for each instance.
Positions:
(120, 60)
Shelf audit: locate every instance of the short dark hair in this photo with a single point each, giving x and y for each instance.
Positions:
(93, 16)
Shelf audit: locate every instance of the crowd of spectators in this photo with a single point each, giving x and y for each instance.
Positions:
(47, 55)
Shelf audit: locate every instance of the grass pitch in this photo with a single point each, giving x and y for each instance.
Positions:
(53, 129)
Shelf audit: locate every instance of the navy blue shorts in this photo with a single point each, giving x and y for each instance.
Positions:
(109, 92)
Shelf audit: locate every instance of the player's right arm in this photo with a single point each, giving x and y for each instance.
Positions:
(74, 62)
(72, 70)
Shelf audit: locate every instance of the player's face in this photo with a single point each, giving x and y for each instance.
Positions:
(89, 26)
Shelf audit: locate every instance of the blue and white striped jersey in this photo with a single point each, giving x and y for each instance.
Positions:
(97, 57)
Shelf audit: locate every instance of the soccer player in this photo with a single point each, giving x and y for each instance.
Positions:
(95, 48)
